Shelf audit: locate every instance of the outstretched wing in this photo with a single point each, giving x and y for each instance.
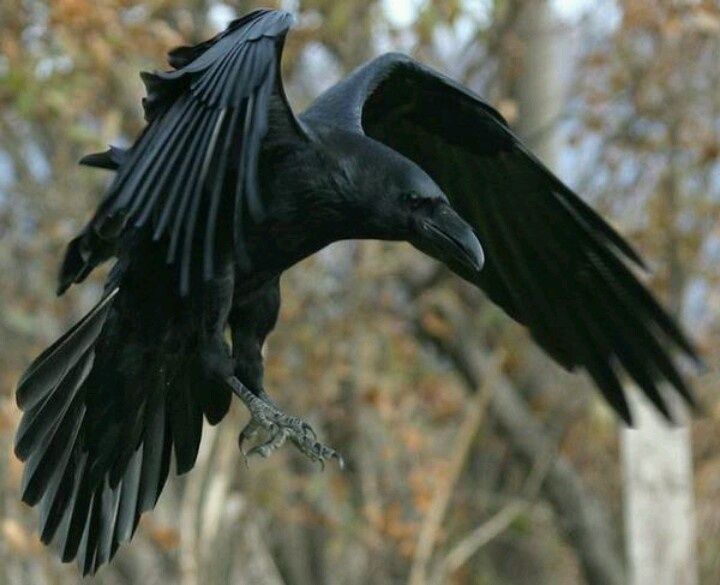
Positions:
(193, 170)
(552, 263)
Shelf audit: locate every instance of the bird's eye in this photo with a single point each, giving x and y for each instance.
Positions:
(414, 200)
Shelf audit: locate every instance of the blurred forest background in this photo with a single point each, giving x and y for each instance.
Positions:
(471, 457)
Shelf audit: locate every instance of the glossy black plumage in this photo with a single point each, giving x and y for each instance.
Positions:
(224, 190)
(552, 263)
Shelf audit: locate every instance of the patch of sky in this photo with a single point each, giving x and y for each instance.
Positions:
(601, 15)
(695, 303)
(710, 253)
(49, 66)
(401, 13)
(322, 67)
(37, 163)
(714, 182)
(572, 10)
(135, 14)
(7, 171)
(290, 5)
(32, 35)
(451, 42)
(581, 155)
(220, 15)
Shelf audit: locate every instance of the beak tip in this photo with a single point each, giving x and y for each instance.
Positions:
(474, 253)
(455, 241)
(479, 262)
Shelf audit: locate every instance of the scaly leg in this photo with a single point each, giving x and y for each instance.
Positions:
(265, 414)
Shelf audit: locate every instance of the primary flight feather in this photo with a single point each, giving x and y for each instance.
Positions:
(223, 191)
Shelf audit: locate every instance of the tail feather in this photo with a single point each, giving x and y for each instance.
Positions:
(74, 479)
(99, 517)
(77, 515)
(86, 549)
(214, 399)
(55, 499)
(110, 502)
(103, 415)
(41, 420)
(153, 474)
(49, 369)
(127, 517)
(186, 418)
(50, 453)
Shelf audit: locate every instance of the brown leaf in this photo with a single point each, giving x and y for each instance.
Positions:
(166, 537)
(436, 325)
(710, 152)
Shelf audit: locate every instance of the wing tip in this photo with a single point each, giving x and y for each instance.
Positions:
(182, 56)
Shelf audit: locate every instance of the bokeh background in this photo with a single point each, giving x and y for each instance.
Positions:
(471, 457)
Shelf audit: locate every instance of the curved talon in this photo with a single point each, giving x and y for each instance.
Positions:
(259, 450)
(307, 429)
(280, 427)
(316, 451)
(276, 440)
(249, 431)
(340, 460)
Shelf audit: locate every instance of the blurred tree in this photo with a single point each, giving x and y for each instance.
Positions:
(536, 494)
(657, 457)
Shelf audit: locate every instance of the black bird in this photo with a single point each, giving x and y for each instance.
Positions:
(224, 190)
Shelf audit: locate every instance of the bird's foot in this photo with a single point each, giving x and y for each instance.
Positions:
(266, 415)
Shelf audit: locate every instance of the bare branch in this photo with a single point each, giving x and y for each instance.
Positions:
(469, 545)
(583, 520)
(441, 499)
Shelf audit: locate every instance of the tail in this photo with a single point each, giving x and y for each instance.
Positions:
(99, 425)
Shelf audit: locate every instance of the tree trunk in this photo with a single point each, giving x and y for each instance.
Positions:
(541, 90)
(659, 519)
(542, 85)
(657, 457)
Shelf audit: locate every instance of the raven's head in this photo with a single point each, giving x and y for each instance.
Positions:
(415, 209)
(432, 225)
(387, 196)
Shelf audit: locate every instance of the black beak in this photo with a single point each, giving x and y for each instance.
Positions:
(448, 238)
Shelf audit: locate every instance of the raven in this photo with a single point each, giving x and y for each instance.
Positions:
(224, 190)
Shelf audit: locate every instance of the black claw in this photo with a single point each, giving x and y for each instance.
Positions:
(241, 441)
(248, 432)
